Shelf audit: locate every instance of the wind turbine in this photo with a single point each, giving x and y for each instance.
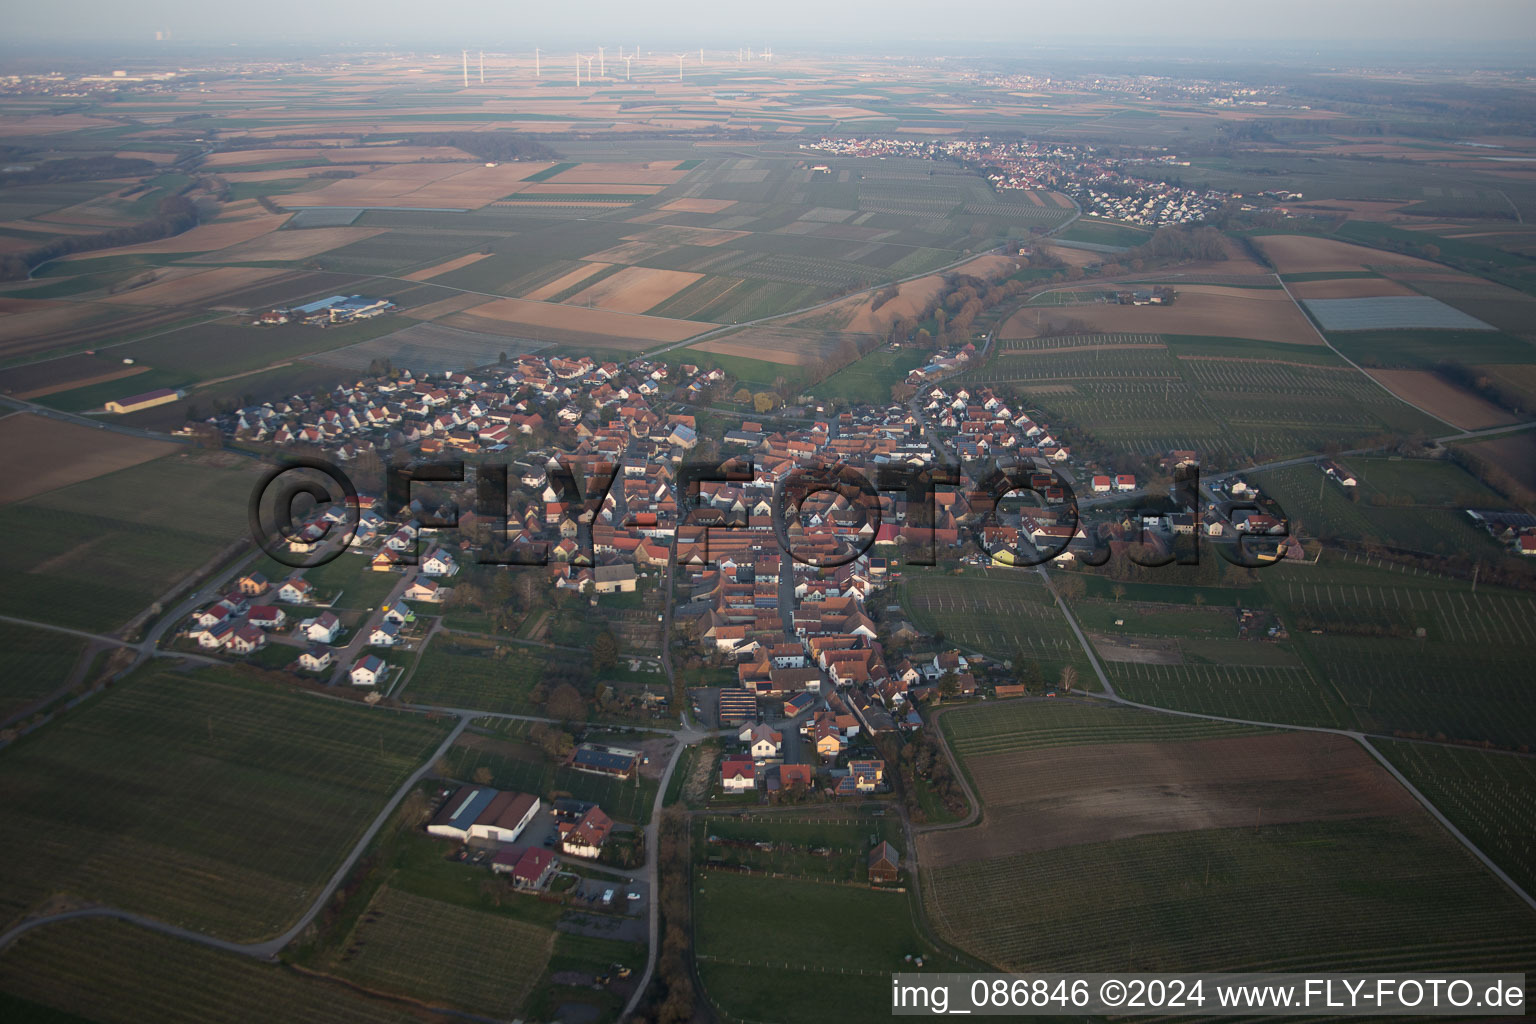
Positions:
(701, 55)
(535, 62)
(680, 58)
(578, 71)
(482, 67)
(602, 65)
(466, 68)
(626, 67)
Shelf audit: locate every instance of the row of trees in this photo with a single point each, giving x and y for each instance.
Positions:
(173, 215)
(78, 168)
(672, 997)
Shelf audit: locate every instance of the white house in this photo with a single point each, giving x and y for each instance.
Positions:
(438, 563)
(369, 671)
(246, 639)
(385, 634)
(399, 613)
(296, 590)
(316, 659)
(763, 743)
(322, 629)
(738, 774)
(423, 590)
(215, 636)
(266, 616)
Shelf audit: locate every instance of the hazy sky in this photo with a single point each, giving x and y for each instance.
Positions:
(862, 25)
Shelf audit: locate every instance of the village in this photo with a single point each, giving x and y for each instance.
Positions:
(1102, 185)
(793, 628)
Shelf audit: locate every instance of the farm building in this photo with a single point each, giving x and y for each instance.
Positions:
(600, 760)
(148, 400)
(505, 817)
(480, 812)
(611, 579)
(529, 868)
(737, 705)
(884, 863)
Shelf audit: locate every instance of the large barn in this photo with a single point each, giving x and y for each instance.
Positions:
(480, 812)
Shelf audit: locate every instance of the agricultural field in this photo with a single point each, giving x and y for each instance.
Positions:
(1287, 694)
(518, 765)
(1264, 314)
(1027, 725)
(1046, 799)
(1439, 397)
(61, 454)
(1360, 632)
(998, 612)
(1313, 855)
(445, 955)
(871, 378)
(116, 973)
(792, 973)
(1414, 506)
(1489, 795)
(127, 801)
(480, 676)
(97, 553)
(1378, 893)
(33, 664)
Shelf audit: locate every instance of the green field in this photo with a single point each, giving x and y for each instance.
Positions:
(1265, 693)
(33, 664)
(871, 378)
(1104, 232)
(446, 955)
(450, 675)
(818, 950)
(203, 799)
(1490, 796)
(1373, 894)
(523, 768)
(115, 973)
(1019, 725)
(996, 612)
(94, 554)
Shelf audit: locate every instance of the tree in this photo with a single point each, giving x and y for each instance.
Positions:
(566, 704)
(483, 775)
(948, 685)
(1118, 590)
(1071, 588)
(742, 396)
(605, 652)
(764, 401)
(1068, 679)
